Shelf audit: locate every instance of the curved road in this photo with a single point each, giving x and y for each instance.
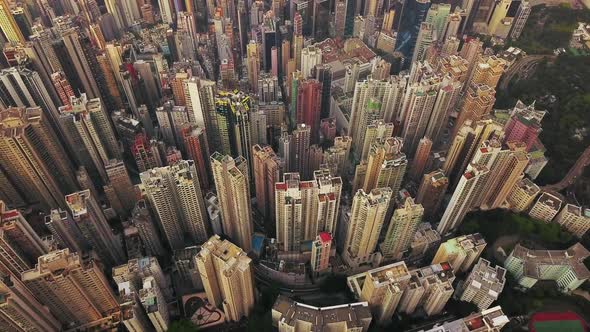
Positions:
(572, 174)
(522, 65)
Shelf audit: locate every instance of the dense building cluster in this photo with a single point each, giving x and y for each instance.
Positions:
(154, 151)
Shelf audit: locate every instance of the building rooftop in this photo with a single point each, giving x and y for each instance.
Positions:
(294, 313)
(536, 261)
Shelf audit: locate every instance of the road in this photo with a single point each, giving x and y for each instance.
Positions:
(572, 174)
(523, 65)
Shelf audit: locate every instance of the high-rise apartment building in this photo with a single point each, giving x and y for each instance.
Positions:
(310, 57)
(490, 320)
(426, 37)
(226, 272)
(88, 215)
(420, 158)
(146, 226)
(430, 287)
(175, 194)
(366, 220)
(546, 206)
(382, 288)
(402, 227)
(299, 160)
(20, 310)
(506, 168)
(306, 208)
(432, 191)
(20, 245)
(233, 191)
(88, 131)
(154, 304)
(72, 286)
(522, 195)
(122, 187)
(268, 169)
(487, 71)
(524, 124)
(461, 252)
(309, 97)
(470, 189)
(575, 219)
(197, 149)
(33, 159)
(483, 286)
(370, 102)
(320, 252)
(477, 102)
(377, 129)
(8, 24)
(66, 231)
(336, 157)
(385, 167)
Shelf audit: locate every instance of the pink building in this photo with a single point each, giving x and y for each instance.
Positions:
(320, 252)
(524, 124)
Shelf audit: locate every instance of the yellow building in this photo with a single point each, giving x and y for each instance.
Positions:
(226, 272)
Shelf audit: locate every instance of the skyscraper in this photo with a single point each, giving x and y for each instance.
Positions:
(369, 103)
(89, 217)
(233, 190)
(32, 157)
(196, 148)
(413, 14)
(366, 220)
(72, 286)
(268, 169)
(420, 158)
(320, 252)
(461, 252)
(227, 276)
(385, 166)
(20, 245)
(310, 57)
(122, 186)
(144, 222)
(21, 311)
(309, 97)
(432, 192)
(175, 194)
(301, 140)
(306, 208)
(401, 229)
(65, 231)
(469, 190)
(8, 25)
(88, 131)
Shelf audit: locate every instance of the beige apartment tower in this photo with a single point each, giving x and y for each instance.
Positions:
(226, 272)
(175, 194)
(401, 229)
(33, 159)
(461, 252)
(366, 220)
(73, 287)
(233, 191)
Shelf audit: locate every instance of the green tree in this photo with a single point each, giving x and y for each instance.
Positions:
(183, 325)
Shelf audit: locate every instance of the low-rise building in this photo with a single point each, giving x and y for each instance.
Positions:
(566, 267)
(291, 316)
(546, 207)
(491, 320)
(575, 219)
